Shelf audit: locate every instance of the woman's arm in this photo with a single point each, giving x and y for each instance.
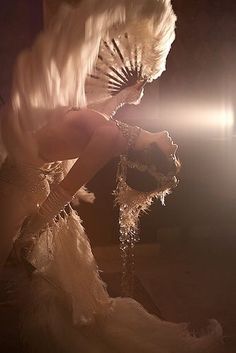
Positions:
(129, 95)
(106, 143)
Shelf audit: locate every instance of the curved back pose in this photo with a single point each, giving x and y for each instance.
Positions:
(67, 307)
(69, 134)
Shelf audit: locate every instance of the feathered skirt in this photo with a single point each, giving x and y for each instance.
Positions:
(68, 309)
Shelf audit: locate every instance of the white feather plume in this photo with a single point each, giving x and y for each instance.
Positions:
(53, 72)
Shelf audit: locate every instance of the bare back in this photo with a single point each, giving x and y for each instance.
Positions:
(67, 133)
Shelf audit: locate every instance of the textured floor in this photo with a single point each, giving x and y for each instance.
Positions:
(190, 278)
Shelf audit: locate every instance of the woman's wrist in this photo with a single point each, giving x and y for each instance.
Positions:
(52, 206)
(55, 203)
(109, 106)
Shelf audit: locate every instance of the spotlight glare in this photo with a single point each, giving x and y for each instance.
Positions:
(199, 115)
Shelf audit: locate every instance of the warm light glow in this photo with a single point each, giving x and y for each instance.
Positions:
(197, 115)
(221, 116)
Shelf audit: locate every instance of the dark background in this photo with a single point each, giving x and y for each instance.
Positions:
(194, 100)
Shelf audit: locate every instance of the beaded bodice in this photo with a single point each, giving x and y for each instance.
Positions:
(31, 182)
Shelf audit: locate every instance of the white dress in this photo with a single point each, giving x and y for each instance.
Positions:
(67, 308)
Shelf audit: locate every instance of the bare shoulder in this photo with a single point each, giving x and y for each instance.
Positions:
(102, 129)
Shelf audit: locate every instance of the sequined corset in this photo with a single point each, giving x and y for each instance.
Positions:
(24, 181)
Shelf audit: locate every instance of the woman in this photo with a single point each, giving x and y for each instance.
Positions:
(70, 134)
(67, 308)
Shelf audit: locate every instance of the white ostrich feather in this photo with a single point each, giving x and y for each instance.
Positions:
(54, 71)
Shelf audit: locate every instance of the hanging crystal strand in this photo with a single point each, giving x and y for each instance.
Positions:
(128, 266)
(132, 203)
(128, 236)
(128, 269)
(128, 239)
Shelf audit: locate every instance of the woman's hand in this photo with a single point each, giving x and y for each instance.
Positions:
(23, 247)
(129, 95)
(26, 241)
(33, 225)
(133, 94)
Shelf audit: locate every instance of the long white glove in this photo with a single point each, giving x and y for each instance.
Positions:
(52, 206)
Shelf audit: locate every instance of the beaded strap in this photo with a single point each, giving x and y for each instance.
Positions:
(130, 133)
(52, 206)
(55, 203)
